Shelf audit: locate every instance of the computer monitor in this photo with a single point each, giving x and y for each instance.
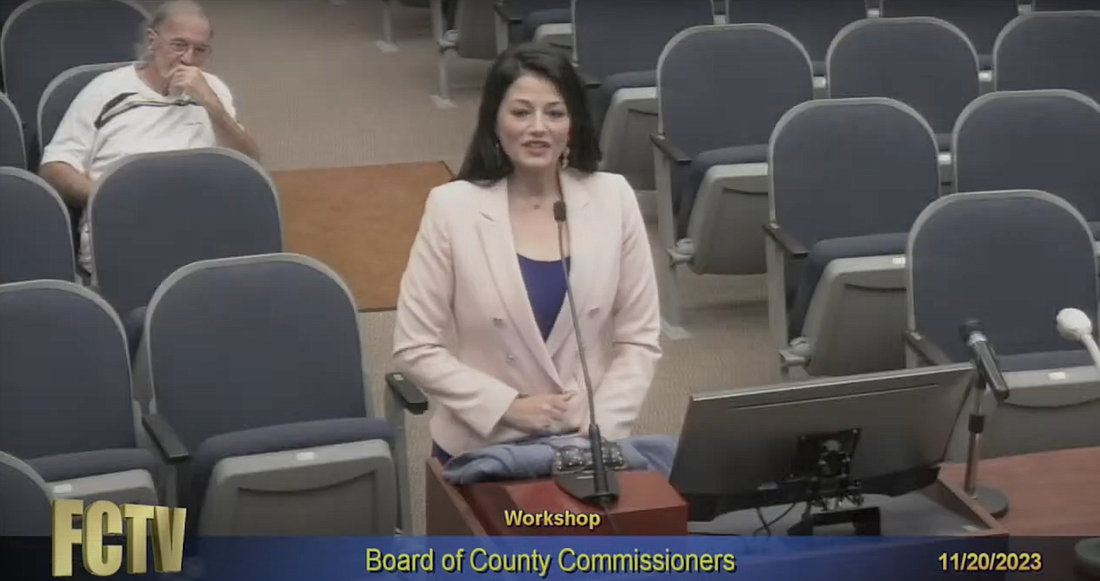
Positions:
(740, 449)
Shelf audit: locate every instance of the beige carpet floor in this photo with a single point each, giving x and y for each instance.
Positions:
(313, 87)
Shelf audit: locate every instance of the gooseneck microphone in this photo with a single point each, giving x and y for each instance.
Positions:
(1075, 325)
(989, 377)
(598, 487)
(984, 358)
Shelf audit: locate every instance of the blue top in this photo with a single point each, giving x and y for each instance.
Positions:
(545, 281)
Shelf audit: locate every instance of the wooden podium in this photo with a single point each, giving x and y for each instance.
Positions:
(647, 506)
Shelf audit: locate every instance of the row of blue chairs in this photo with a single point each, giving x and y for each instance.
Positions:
(43, 38)
(144, 432)
(249, 402)
(847, 181)
(247, 469)
(623, 82)
(511, 21)
(209, 203)
(221, 335)
(903, 58)
(1011, 259)
(717, 120)
(814, 23)
(21, 143)
(848, 178)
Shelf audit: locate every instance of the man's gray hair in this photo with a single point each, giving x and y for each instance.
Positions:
(161, 15)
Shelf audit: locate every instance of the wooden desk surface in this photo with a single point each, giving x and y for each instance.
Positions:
(647, 505)
(1050, 493)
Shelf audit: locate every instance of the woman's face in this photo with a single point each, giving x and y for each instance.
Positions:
(533, 124)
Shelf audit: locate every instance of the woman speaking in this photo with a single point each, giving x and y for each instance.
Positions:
(482, 319)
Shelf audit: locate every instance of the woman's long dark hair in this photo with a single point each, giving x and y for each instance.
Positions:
(485, 161)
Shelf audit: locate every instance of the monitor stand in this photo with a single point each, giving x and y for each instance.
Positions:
(821, 477)
(866, 521)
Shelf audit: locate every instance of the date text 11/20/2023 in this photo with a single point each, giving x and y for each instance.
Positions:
(992, 562)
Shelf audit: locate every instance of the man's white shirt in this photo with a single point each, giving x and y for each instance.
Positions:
(142, 122)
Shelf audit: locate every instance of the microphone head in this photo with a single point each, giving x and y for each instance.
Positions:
(968, 328)
(1074, 324)
(559, 211)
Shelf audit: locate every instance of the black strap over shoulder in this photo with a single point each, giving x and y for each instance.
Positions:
(118, 105)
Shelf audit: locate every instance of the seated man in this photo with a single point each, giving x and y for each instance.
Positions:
(165, 101)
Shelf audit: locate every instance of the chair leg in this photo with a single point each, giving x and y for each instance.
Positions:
(777, 309)
(671, 314)
(443, 99)
(777, 295)
(667, 283)
(439, 19)
(502, 33)
(784, 372)
(788, 361)
(673, 326)
(395, 416)
(387, 44)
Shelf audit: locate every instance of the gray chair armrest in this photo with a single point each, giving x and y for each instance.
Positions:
(589, 80)
(165, 438)
(786, 241)
(929, 352)
(669, 149)
(403, 395)
(407, 393)
(507, 13)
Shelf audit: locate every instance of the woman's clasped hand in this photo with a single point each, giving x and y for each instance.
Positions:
(540, 413)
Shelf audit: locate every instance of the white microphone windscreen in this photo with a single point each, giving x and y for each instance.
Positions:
(1074, 324)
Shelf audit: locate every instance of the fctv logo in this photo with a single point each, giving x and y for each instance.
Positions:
(105, 518)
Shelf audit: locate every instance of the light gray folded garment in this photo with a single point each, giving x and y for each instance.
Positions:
(534, 458)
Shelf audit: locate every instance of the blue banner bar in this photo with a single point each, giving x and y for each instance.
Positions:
(531, 558)
(838, 558)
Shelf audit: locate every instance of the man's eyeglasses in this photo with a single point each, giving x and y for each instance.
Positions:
(180, 46)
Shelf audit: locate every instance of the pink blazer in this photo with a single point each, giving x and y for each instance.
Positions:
(466, 331)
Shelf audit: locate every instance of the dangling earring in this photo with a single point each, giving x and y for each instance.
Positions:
(565, 158)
